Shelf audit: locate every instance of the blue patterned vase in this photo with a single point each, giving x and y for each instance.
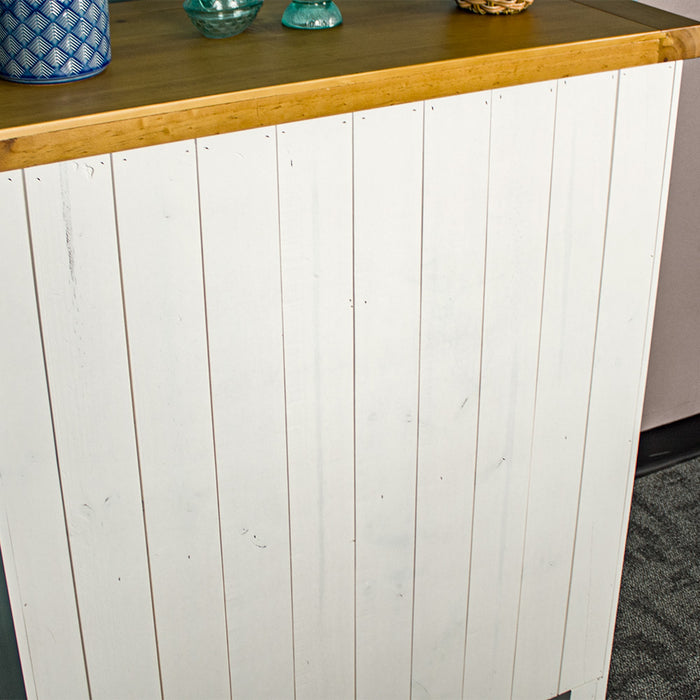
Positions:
(53, 41)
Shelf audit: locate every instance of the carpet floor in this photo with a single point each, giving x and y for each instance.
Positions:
(656, 651)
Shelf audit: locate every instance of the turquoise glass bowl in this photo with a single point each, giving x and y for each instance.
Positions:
(312, 14)
(56, 41)
(219, 19)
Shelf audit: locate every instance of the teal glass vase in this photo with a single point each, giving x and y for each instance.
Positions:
(219, 19)
(312, 14)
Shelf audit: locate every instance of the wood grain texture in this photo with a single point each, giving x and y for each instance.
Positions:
(578, 208)
(595, 690)
(240, 236)
(33, 531)
(519, 186)
(627, 288)
(638, 12)
(158, 219)
(248, 491)
(643, 381)
(315, 189)
(454, 235)
(188, 86)
(71, 213)
(388, 183)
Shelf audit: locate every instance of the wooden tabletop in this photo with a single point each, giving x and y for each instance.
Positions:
(166, 82)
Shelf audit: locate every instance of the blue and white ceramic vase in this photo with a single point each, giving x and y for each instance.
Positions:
(53, 41)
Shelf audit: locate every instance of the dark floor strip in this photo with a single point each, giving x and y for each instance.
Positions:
(668, 445)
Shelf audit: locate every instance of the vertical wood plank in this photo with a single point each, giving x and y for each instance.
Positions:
(32, 525)
(661, 226)
(624, 325)
(316, 246)
(388, 174)
(585, 123)
(590, 691)
(515, 251)
(157, 211)
(454, 231)
(71, 211)
(238, 185)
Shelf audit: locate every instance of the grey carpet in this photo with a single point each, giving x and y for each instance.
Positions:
(656, 651)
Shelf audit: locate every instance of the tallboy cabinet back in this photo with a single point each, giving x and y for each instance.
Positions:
(339, 408)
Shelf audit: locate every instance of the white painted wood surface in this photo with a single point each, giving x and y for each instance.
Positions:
(359, 358)
(79, 291)
(519, 183)
(315, 190)
(238, 193)
(387, 186)
(624, 325)
(454, 235)
(595, 690)
(577, 219)
(660, 232)
(158, 223)
(32, 525)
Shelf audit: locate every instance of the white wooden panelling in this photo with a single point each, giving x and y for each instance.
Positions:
(238, 194)
(454, 232)
(578, 207)
(589, 691)
(670, 144)
(222, 586)
(32, 525)
(157, 213)
(617, 388)
(78, 285)
(316, 245)
(387, 184)
(515, 253)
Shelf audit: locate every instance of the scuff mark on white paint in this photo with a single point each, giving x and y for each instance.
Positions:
(68, 226)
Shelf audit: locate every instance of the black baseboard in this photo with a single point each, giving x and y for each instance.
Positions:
(11, 682)
(668, 445)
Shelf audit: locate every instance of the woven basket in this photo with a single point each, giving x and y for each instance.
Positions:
(494, 7)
